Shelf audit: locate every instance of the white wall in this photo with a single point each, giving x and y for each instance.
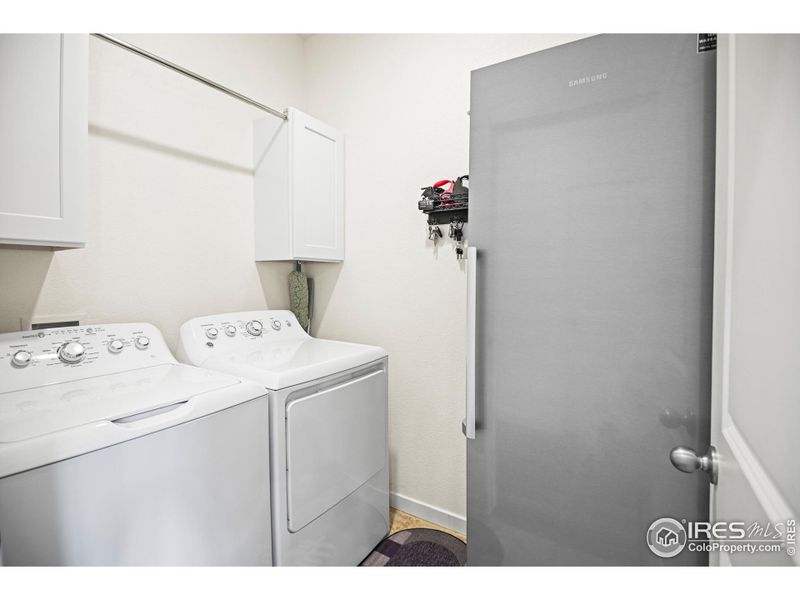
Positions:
(402, 102)
(170, 189)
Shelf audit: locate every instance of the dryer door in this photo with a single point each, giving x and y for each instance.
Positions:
(335, 442)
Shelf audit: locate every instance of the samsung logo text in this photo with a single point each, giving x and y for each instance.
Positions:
(588, 79)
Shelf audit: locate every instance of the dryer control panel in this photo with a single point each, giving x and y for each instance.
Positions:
(34, 358)
(229, 332)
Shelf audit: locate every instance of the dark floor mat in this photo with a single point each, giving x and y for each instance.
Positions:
(418, 548)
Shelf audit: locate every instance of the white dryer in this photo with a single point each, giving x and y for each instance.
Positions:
(328, 436)
(112, 453)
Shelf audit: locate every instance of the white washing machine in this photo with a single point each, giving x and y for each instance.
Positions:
(328, 436)
(112, 453)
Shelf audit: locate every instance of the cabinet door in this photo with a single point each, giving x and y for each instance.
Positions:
(317, 189)
(43, 120)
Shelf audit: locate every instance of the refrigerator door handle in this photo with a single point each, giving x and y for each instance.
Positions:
(468, 425)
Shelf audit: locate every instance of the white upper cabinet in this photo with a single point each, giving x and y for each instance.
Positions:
(43, 139)
(299, 189)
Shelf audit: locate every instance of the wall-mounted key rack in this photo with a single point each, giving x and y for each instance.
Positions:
(446, 202)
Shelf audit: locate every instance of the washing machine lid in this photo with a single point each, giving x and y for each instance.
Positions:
(50, 423)
(281, 364)
(41, 411)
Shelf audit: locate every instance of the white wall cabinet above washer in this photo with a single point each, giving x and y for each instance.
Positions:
(43, 146)
(299, 189)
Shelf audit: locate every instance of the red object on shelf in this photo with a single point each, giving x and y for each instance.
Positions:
(445, 195)
(449, 191)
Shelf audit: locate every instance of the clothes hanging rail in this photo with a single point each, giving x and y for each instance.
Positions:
(187, 73)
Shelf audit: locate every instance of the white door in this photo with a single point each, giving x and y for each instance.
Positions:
(318, 189)
(335, 443)
(43, 120)
(756, 381)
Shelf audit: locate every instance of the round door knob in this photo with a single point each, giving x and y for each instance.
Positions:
(142, 342)
(254, 327)
(686, 460)
(115, 346)
(21, 358)
(230, 330)
(212, 333)
(71, 353)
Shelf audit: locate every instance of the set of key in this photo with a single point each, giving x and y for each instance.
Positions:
(434, 233)
(457, 233)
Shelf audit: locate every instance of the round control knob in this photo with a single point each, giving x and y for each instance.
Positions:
(115, 346)
(254, 327)
(230, 330)
(142, 342)
(212, 333)
(276, 325)
(71, 353)
(21, 358)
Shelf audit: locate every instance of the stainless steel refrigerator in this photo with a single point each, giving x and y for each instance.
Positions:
(590, 280)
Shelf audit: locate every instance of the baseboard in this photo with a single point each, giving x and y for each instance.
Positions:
(441, 517)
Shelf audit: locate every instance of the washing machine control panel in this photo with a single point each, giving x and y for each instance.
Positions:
(41, 357)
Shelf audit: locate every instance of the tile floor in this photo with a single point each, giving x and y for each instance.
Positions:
(399, 520)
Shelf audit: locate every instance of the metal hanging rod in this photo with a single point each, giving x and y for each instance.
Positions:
(187, 73)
